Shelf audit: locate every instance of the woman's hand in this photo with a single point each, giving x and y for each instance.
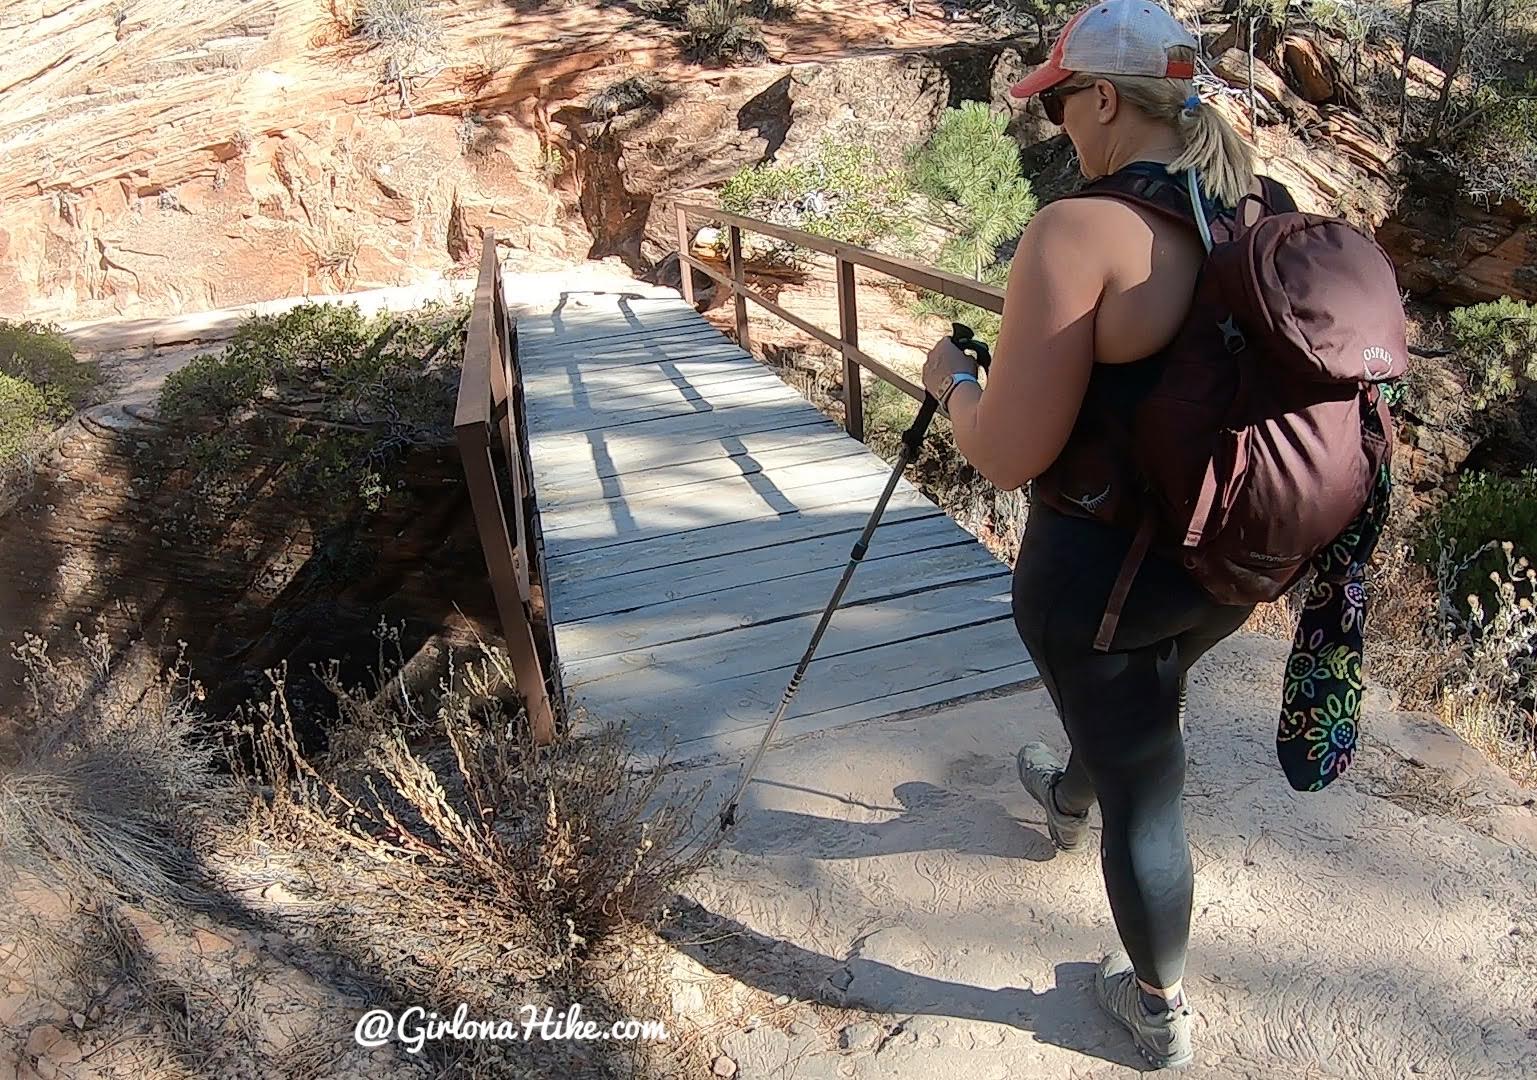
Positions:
(945, 359)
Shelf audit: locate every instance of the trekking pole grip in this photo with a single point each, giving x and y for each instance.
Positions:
(963, 338)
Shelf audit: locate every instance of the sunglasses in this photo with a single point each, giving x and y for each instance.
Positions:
(1052, 101)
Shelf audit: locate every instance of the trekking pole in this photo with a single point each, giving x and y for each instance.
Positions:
(912, 443)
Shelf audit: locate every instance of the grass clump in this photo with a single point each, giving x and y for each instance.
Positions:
(432, 853)
(98, 794)
(1496, 344)
(721, 30)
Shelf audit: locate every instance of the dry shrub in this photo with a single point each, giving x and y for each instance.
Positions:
(459, 793)
(397, 23)
(1470, 661)
(109, 785)
(1490, 696)
(715, 31)
(1277, 619)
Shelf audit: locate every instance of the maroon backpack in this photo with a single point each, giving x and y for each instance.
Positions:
(1258, 432)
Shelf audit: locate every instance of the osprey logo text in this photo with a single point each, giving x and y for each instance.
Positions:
(1378, 361)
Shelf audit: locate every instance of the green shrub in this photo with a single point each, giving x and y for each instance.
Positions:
(983, 323)
(42, 356)
(212, 386)
(310, 339)
(1482, 512)
(1496, 154)
(380, 385)
(716, 30)
(969, 169)
(23, 413)
(1496, 344)
(843, 192)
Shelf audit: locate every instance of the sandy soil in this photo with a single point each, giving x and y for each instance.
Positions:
(1385, 927)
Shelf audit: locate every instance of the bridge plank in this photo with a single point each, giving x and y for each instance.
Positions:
(597, 592)
(688, 341)
(627, 388)
(557, 420)
(585, 486)
(734, 539)
(716, 424)
(608, 458)
(719, 657)
(633, 623)
(623, 523)
(838, 689)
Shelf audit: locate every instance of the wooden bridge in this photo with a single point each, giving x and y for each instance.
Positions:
(672, 518)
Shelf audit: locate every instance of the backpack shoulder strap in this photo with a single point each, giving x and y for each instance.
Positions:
(1161, 195)
(1276, 196)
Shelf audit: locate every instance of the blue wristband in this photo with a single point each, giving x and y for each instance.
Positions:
(956, 380)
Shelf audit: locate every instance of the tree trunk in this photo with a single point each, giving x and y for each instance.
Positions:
(1253, 107)
(1403, 69)
(1444, 101)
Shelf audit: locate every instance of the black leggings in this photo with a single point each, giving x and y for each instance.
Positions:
(1123, 712)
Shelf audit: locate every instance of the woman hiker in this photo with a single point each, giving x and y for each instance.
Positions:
(1097, 288)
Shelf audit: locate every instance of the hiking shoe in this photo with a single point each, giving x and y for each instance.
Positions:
(1039, 771)
(1163, 1038)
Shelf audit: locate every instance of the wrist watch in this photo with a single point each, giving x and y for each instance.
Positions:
(954, 379)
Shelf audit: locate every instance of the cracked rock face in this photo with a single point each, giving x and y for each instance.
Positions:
(159, 160)
(1454, 252)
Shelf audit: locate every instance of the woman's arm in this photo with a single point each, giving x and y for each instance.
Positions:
(1043, 356)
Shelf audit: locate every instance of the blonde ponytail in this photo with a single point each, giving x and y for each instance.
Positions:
(1220, 156)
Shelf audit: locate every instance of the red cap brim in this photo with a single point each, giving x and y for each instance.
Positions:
(1042, 78)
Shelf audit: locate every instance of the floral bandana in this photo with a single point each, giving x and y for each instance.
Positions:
(1321, 701)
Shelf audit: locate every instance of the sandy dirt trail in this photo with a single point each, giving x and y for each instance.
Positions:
(1386, 927)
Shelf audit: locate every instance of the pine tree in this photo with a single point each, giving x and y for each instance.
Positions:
(969, 170)
(969, 174)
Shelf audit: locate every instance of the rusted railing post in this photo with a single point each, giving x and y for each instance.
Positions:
(736, 293)
(848, 330)
(685, 271)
